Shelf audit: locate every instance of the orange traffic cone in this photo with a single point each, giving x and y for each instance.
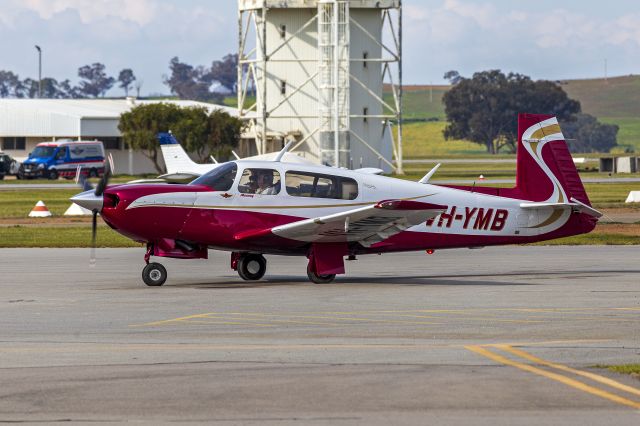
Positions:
(40, 210)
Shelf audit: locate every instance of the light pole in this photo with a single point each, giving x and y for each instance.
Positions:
(39, 71)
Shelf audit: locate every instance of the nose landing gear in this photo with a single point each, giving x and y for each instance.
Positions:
(154, 274)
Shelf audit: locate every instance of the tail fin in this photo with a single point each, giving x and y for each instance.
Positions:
(545, 170)
(175, 158)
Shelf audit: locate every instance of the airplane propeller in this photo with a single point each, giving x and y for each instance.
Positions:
(99, 191)
(92, 199)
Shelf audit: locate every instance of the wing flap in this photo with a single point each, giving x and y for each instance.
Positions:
(367, 225)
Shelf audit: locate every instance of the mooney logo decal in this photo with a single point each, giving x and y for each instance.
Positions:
(477, 218)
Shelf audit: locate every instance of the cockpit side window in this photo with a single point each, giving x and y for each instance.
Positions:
(219, 179)
(259, 181)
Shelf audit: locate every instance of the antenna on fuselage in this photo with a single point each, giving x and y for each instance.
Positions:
(236, 155)
(283, 151)
(213, 159)
(426, 177)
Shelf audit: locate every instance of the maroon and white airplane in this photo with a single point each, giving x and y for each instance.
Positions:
(251, 208)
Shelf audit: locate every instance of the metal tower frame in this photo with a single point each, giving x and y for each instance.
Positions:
(333, 44)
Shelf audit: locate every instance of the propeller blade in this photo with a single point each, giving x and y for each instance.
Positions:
(102, 185)
(94, 230)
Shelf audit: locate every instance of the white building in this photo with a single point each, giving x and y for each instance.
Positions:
(317, 68)
(26, 122)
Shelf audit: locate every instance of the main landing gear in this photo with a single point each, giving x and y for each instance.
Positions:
(250, 266)
(317, 278)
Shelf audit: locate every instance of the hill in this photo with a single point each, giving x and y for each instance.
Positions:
(614, 101)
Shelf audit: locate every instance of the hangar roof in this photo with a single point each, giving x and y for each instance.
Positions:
(75, 117)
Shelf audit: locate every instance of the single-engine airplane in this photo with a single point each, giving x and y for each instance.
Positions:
(252, 208)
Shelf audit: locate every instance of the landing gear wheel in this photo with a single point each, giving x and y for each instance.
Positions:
(251, 267)
(154, 274)
(319, 279)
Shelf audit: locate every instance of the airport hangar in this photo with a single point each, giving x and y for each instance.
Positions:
(26, 122)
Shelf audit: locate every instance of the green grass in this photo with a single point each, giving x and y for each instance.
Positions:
(421, 103)
(628, 134)
(114, 179)
(18, 203)
(594, 238)
(623, 368)
(77, 236)
(420, 140)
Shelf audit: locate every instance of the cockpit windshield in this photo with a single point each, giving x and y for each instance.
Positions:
(219, 179)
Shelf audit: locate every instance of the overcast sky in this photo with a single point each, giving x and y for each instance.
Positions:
(551, 39)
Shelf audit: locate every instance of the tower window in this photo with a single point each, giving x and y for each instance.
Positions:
(283, 31)
(365, 57)
(365, 112)
(283, 87)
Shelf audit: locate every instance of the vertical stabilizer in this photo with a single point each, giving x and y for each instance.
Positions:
(545, 170)
(175, 158)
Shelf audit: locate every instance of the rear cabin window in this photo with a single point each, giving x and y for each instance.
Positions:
(316, 185)
(219, 179)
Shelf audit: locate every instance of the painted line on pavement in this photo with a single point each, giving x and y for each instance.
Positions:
(485, 352)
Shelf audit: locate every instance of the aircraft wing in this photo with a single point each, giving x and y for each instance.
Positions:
(367, 225)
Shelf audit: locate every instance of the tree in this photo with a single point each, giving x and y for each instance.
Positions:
(197, 131)
(68, 91)
(223, 133)
(29, 88)
(9, 84)
(225, 72)
(96, 81)
(188, 82)
(586, 134)
(140, 126)
(484, 109)
(454, 77)
(125, 78)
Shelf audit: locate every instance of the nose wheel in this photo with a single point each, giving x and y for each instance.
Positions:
(251, 266)
(154, 274)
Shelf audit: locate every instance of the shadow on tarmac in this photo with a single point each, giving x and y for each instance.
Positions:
(413, 280)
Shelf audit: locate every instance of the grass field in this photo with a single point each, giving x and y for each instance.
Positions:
(76, 236)
(25, 236)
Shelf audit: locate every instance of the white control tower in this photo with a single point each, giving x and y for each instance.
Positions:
(313, 71)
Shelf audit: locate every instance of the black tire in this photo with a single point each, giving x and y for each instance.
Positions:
(53, 174)
(154, 274)
(93, 173)
(252, 267)
(1, 177)
(319, 279)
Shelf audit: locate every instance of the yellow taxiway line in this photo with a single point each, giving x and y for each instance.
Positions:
(484, 351)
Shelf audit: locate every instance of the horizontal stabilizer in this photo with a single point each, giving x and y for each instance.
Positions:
(370, 171)
(575, 205)
(180, 175)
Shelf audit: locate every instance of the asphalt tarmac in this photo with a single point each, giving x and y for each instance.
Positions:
(499, 336)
